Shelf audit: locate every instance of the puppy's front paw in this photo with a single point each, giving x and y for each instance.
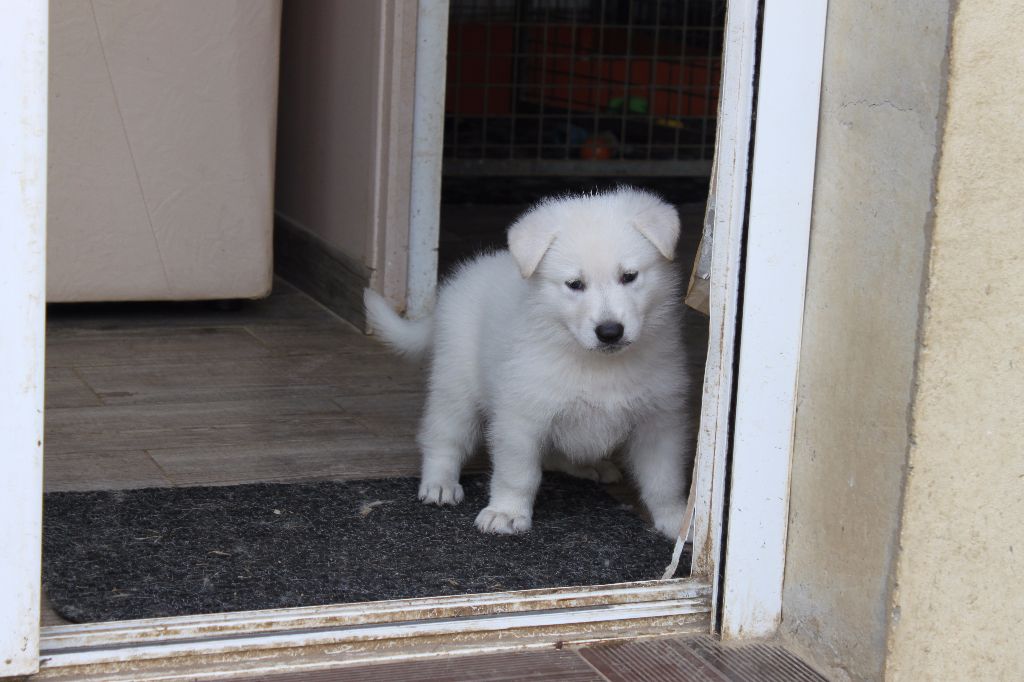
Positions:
(440, 493)
(492, 520)
(669, 520)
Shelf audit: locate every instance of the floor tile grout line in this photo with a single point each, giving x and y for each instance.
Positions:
(263, 344)
(689, 650)
(711, 651)
(684, 649)
(333, 314)
(163, 472)
(737, 663)
(797, 666)
(155, 330)
(579, 654)
(78, 375)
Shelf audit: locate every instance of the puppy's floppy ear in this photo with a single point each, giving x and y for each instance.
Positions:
(530, 237)
(656, 220)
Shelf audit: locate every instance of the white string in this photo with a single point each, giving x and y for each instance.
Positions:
(684, 532)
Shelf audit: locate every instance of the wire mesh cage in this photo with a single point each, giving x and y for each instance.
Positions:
(625, 87)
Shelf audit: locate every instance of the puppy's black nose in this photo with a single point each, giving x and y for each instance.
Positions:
(608, 332)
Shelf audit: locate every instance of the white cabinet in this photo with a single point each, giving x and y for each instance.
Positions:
(162, 129)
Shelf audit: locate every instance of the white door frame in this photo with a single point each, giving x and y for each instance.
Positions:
(23, 71)
(427, 147)
(778, 234)
(776, 261)
(725, 217)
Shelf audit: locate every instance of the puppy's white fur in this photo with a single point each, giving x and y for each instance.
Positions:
(515, 357)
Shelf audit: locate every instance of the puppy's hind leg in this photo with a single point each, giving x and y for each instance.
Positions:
(657, 459)
(448, 435)
(603, 470)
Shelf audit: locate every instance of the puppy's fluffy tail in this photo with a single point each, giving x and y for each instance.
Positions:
(410, 338)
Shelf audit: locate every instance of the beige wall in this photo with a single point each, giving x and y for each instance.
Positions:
(345, 125)
(958, 607)
(881, 94)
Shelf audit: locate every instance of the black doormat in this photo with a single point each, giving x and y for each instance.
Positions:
(118, 555)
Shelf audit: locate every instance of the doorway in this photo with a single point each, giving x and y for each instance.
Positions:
(169, 395)
(95, 644)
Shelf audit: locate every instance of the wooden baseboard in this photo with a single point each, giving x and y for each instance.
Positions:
(332, 278)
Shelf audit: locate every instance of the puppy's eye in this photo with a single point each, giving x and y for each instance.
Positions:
(576, 284)
(627, 277)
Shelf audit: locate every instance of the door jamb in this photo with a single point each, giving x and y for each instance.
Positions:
(427, 145)
(778, 234)
(23, 117)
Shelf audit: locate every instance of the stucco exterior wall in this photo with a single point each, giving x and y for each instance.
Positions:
(882, 90)
(958, 603)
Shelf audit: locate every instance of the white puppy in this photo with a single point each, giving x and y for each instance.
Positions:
(561, 350)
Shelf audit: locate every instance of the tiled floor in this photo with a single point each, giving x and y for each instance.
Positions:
(691, 659)
(186, 394)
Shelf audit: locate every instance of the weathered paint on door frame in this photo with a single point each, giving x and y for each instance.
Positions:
(23, 71)
(778, 236)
